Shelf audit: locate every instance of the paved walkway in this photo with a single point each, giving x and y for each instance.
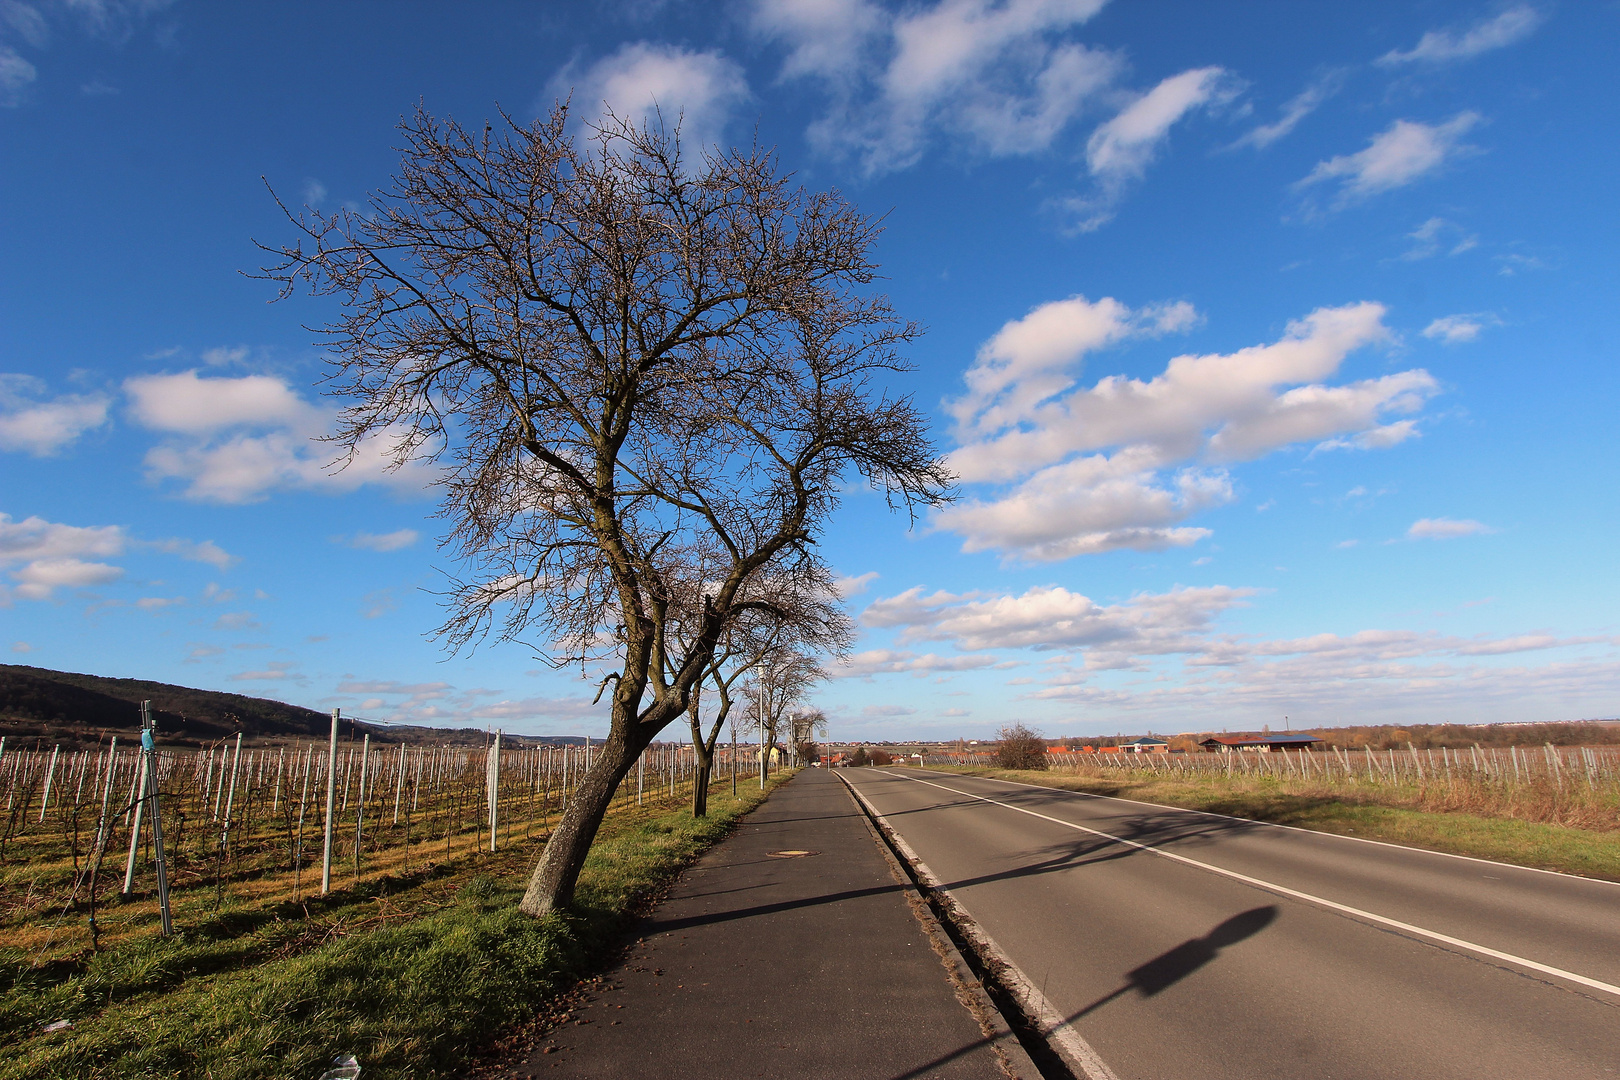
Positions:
(763, 966)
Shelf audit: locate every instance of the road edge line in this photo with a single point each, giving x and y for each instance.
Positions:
(1066, 1042)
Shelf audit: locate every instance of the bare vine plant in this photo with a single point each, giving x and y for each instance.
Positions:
(641, 376)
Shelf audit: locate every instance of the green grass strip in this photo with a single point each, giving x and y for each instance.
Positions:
(251, 997)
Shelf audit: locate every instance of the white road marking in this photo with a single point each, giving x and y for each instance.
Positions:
(1070, 1046)
(1258, 883)
(1298, 829)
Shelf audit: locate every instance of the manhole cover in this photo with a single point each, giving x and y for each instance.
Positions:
(791, 854)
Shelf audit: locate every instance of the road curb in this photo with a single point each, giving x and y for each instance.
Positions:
(994, 970)
(1004, 1043)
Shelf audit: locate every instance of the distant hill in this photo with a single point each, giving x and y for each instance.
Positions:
(80, 710)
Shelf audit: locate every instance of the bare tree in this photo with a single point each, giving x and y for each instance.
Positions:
(762, 638)
(1020, 747)
(807, 725)
(778, 688)
(640, 376)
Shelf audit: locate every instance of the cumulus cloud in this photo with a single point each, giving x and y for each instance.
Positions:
(1455, 329)
(397, 540)
(1053, 617)
(1298, 108)
(1498, 31)
(190, 404)
(235, 440)
(45, 556)
(44, 427)
(650, 83)
(1445, 529)
(1406, 152)
(1122, 463)
(37, 580)
(1120, 150)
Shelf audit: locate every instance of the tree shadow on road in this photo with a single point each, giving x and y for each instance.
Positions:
(1169, 968)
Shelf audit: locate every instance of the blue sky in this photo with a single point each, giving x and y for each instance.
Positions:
(1274, 343)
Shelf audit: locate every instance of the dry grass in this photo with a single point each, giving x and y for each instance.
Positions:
(1525, 827)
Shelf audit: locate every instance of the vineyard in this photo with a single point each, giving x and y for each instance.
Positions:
(1574, 786)
(249, 826)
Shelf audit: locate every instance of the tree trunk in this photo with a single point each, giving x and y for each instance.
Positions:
(551, 886)
(700, 788)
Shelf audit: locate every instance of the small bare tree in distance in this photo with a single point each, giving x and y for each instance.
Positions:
(760, 638)
(1020, 747)
(642, 376)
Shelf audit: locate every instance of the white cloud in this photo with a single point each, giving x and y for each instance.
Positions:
(1438, 234)
(39, 579)
(275, 671)
(886, 712)
(1454, 329)
(846, 586)
(27, 22)
(377, 603)
(1298, 108)
(1000, 76)
(16, 75)
(53, 555)
(158, 603)
(643, 82)
(235, 440)
(190, 405)
(236, 620)
(890, 661)
(1031, 359)
(393, 541)
(21, 647)
(1120, 150)
(1438, 46)
(1121, 463)
(824, 37)
(1052, 617)
(1090, 505)
(1407, 151)
(35, 538)
(40, 427)
(205, 552)
(223, 357)
(1445, 529)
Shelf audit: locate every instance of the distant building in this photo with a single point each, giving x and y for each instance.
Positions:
(1257, 744)
(1146, 745)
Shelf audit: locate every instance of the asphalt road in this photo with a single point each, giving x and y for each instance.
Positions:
(1185, 945)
